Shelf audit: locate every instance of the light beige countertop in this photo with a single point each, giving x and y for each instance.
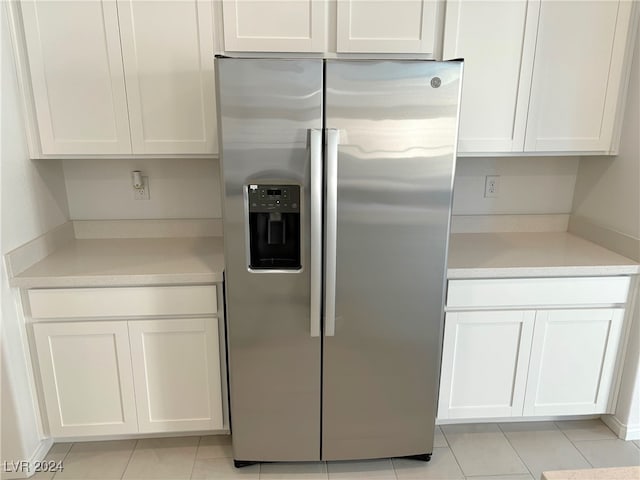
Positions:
(544, 254)
(198, 260)
(128, 262)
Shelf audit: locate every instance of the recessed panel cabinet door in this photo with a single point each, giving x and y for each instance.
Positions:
(573, 358)
(484, 364)
(387, 26)
(274, 25)
(76, 72)
(86, 377)
(497, 41)
(168, 53)
(577, 75)
(176, 369)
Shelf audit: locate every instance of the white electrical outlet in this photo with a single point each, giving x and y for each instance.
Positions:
(142, 193)
(491, 186)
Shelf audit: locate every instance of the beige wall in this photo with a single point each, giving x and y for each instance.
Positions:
(607, 192)
(539, 185)
(33, 201)
(102, 189)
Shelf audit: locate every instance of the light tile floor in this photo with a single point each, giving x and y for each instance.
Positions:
(504, 451)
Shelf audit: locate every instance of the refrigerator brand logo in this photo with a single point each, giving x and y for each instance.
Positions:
(436, 82)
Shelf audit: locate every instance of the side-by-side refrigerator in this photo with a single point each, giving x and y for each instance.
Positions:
(337, 182)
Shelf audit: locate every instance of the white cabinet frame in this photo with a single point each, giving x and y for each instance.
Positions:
(257, 30)
(554, 385)
(86, 377)
(176, 390)
(485, 353)
(375, 16)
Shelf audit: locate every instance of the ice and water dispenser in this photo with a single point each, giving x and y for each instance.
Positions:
(274, 226)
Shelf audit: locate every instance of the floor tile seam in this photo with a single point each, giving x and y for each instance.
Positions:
(576, 447)
(133, 449)
(393, 467)
(63, 458)
(453, 454)
(515, 451)
(195, 457)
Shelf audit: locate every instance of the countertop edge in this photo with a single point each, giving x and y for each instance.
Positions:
(116, 280)
(542, 271)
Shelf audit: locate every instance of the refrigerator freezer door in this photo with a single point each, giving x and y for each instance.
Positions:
(397, 123)
(266, 110)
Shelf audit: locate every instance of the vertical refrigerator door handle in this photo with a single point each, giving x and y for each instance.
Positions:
(316, 229)
(331, 228)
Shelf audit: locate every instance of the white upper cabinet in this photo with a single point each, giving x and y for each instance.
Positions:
(362, 26)
(375, 26)
(496, 40)
(77, 79)
(540, 75)
(168, 53)
(82, 55)
(578, 75)
(274, 25)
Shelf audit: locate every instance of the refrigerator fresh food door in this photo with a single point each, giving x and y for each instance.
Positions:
(267, 111)
(394, 128)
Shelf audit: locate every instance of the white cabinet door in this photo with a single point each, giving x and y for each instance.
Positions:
(387, 26)
(572, 364)
(497, 41)
(176, 370)
(168, 53)
(86, 377)
(577, 75)
(484, 364)
(76, 72)
(274, 25)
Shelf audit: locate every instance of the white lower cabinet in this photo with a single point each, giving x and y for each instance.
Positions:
(484, 367)
(176, 372)
(117, 377)
(572, 364)
(156, 370)
(86, 377)
(504, 357)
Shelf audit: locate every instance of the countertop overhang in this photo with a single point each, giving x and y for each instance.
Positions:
(128, 262)
(539, 254)
(200, 260)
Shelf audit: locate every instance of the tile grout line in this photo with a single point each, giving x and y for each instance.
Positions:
(452, 452)
(63, 458)
(135, 445)
(574, 445)
(516, 451)
(195, 457)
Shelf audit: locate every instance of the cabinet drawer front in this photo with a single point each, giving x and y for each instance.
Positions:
(537, 292)
(123, 301)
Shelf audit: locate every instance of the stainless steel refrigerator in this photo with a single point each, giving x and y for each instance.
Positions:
(337, 182)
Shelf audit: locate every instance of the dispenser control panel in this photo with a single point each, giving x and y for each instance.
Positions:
(274, 198)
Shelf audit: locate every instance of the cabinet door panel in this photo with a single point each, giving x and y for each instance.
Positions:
(168, 54)
(177, 374)
(274, 25)
(377, 26)
(76, 72)
(86, 377)
(577, 75)
(572, 361)
(484, 364)
(496, 40)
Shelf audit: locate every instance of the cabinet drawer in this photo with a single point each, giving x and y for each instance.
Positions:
(123, 301)
(537, 292)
